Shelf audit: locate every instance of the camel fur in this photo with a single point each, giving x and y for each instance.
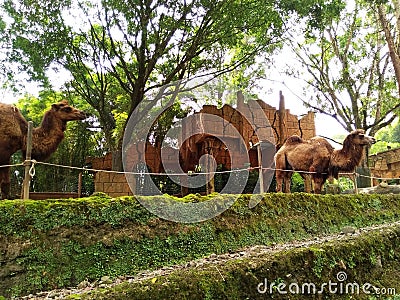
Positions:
(318, 159)
(45, 138)
(350, 156)
(310, 157)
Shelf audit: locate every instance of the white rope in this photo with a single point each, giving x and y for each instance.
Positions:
(9, 166)
(147, 173)
(378, 178)
(33, 162)
(32, 170)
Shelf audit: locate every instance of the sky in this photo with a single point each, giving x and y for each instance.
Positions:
(324, 125)
(270, 89)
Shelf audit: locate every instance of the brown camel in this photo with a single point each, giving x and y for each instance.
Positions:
(353, 151)
(302, 156)
(45, 139)
(319, 158)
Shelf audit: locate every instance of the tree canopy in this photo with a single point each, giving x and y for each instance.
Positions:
(114, 52)
(349, 69)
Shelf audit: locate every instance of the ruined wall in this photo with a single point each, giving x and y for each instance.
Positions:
(226, 133)
(385, 164)
(112, 184)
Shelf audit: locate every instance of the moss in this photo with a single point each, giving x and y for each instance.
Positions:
(58, 240)
(292, 268)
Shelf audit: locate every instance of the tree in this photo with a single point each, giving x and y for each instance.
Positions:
(351, 75)
(388, 138)
(125, 49)
(389, 18)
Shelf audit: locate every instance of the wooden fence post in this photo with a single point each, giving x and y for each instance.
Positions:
(80, 185)
(28, 163)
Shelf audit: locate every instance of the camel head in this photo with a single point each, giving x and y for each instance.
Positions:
(66, 113)
(358, 137)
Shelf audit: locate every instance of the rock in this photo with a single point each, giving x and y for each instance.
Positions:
(348, 230)
(383, 184)
(53, 294)
(382, 188)
(378, 263)
(105, 280)
(191, 264)
(83, 284)
(342, 265)
(9, 269)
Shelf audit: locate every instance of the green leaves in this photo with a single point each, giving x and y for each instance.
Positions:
(347, 63)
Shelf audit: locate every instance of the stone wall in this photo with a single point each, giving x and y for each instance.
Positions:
(113, 184)
(385, 164)
(227, 133)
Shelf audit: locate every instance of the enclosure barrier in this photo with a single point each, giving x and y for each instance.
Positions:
(30, 173)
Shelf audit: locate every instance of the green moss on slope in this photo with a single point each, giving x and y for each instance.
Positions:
(56, 243)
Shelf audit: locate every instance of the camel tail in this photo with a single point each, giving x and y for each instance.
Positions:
(287, 164)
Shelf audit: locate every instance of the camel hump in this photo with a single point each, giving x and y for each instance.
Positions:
(320, 141)
(294, 139)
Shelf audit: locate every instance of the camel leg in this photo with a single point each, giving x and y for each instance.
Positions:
(279, 173)
(307, 183)
(279, 180)
(318, 182)
(5, 182)
(288, 179)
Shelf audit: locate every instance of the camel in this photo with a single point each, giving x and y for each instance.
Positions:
(318, 159)
(345, 160)
(298, 155)
(45, 139)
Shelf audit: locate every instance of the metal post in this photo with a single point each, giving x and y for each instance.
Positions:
(80, 185)
(28, 163)
(260, 168)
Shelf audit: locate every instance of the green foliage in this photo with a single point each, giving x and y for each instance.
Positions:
(59, 243)
(350, 78)
(297, 183)
(345, 183)
(388, 138)
(117, 52)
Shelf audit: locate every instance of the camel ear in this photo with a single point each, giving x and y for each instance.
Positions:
(55, 106)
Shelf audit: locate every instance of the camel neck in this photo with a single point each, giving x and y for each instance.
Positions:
(47, 137)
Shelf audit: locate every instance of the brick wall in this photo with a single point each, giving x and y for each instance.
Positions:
(385, 164)
(252, 120)
(113, 184)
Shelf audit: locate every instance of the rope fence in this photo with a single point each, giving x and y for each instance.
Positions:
(32, 171)
(34, 162)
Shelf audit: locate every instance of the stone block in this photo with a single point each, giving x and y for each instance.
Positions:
(116, 177)
(102, 176)
(117, 187)
(98, 186)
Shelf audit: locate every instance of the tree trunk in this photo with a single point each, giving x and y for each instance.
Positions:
(393, 50)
